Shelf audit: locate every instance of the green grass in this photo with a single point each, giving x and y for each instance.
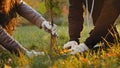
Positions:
(32, 37)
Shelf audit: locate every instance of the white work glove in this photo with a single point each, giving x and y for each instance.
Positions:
(80, 48)
(33, 53)
(70, 45)
(49, 28)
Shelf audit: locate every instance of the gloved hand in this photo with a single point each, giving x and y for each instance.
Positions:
(70, 44)
(33, 53)
(80, 48)
(49, 28)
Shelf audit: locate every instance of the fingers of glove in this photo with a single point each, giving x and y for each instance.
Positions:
(76, 50)
(83, 47)
(66, 45)
(46, 25)
(54, 27)
(53, 30)
(54, 33)
(70, 44)
(49, 28)
(79, 48)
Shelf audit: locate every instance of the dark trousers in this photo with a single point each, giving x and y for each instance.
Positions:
(104, 16)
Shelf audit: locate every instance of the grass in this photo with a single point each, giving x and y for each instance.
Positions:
(33, 38)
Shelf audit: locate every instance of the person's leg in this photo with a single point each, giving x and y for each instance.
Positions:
(98, 4)
(116, 4)
(110, 37)
(75, 19)
(104, 23)
(96, 13)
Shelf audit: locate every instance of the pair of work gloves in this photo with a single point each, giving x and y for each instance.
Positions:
(74, 47)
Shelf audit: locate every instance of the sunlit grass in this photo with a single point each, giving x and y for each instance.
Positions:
(34, 38)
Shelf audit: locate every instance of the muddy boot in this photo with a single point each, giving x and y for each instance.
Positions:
(13, 46)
